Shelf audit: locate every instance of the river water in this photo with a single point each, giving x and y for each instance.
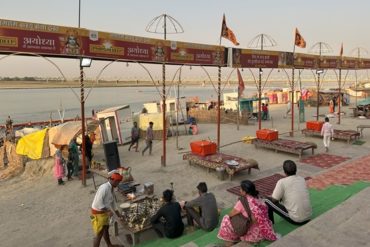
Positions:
(24, 105)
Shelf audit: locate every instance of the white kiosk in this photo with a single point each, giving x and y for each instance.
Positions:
(115, 124)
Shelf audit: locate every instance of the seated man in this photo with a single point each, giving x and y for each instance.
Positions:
(172, 227)
(207, 217)
(290, 198)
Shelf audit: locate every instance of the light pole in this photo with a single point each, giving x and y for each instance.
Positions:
(84, 62)
(318, 72)
(260, 41)
(155, 26)
(319, 48)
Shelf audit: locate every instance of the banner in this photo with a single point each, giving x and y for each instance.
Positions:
(69, 42)
(247, 58)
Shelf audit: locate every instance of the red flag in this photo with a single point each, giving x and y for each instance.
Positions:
(299, 40)
(227, 33)
(241, 83)
(341, 50)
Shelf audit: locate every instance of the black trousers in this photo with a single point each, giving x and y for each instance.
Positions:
(70, 170)
(280, 210)
(159, 229)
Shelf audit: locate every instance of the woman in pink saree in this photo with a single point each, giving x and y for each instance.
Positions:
(58, 166)
(261, 228)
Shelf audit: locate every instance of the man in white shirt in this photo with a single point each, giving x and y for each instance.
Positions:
(327, 131)
(103, 207)
(290, 199)
(288, 108)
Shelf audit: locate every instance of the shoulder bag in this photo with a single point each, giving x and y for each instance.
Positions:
(240, 223)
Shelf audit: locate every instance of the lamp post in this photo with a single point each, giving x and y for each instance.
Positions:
(318, 72)
(319, 48)
(260, 41)
(155, 26)
(84, 62)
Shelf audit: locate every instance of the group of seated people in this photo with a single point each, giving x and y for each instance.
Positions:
(290, 200)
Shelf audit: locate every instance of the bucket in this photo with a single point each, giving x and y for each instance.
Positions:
(220, 172)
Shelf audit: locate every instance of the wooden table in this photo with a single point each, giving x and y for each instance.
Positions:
(217, 160)
(361, 127)
(289, 146)
(347, 135)
(136, 232)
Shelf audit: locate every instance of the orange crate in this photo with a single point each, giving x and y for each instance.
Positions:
(267, 134)
(314, 125)
(203, 148)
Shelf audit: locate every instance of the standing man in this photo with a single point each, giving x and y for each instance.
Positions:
(288, 108)
(327, 131)
(149, 139)
(102, 208)
(203, 209)
(75, 156)
(88, 151)
(290, 198)
(134, 137)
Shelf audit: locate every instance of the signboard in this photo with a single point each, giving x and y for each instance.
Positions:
(69, 42)
(247, 58)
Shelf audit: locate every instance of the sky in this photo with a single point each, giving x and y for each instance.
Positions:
(330, 21)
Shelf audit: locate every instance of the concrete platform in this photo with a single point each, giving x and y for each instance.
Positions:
(346, 225)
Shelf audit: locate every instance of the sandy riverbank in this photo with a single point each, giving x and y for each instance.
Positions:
(35, 211)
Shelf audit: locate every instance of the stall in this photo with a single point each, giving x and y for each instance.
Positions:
(115, 124)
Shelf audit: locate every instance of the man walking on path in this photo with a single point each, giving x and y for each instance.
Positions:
(327, 131)
(149, 139)
(288, 108)
(134, 137)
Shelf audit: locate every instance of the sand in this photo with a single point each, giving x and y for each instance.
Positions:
(35, 211)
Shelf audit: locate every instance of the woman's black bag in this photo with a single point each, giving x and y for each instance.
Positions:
(240, 223)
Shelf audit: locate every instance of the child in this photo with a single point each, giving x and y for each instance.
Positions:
(58, 165)
(70, 163)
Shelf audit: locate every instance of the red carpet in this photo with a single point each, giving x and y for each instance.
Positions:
(265, 186)
(324, 160)
(352, 171)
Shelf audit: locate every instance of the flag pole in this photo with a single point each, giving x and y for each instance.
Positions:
(219, 94)
(340, 82)
(237, 110)
(292, 88)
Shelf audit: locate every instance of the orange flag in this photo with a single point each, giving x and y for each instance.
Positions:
(299, 40)
(341, 50)
(241, 83)
(227, 33)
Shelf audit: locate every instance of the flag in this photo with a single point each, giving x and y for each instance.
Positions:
(227, 33)
(341, 50)
(241, 83)
(299, 40)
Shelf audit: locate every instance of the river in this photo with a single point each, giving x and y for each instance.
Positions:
(24, 105)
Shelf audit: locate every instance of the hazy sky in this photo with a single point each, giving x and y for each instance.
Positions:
(330, 21)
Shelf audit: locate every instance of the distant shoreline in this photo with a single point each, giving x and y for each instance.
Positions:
(106, 84)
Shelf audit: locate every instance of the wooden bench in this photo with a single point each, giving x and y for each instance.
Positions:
(214, 161)
(347, 135)
(360, 128)
(289, 146)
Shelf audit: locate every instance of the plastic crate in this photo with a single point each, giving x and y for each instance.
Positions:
(203, 148)
(314, 125)
(267, 134)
